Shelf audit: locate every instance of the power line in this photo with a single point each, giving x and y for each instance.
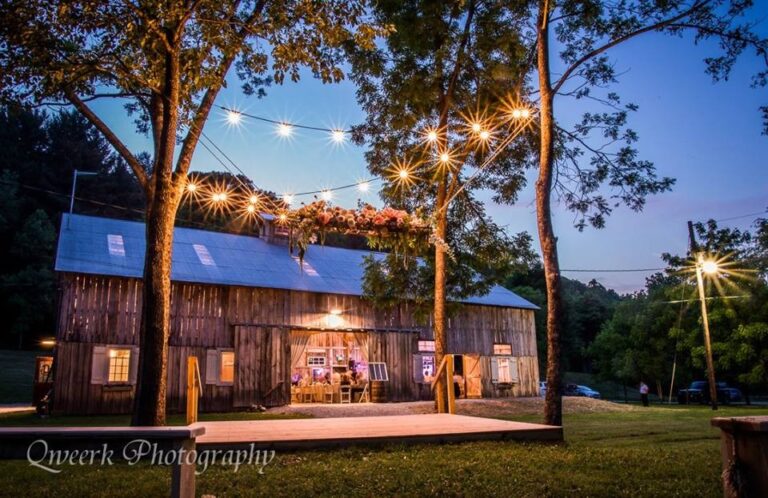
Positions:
(758, 213)
(613, 270)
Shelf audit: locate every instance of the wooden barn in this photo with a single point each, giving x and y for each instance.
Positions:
(266, 328)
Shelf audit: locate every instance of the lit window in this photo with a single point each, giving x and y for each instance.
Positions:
(427, 346)
(115, 245)
(505, 374)
(119, 365)
(203, 255)
(316, 359)
(502, 349)
(227, 366)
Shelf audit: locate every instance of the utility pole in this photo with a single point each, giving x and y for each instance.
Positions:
(699, 262)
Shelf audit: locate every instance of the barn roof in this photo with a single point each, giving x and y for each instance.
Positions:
(105, 246)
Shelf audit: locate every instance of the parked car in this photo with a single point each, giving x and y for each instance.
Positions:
(542, 388)
(577, 390)
(698, 392)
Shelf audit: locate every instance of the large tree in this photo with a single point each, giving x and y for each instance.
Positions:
(168, 61)
(594, 165)
(437, 93)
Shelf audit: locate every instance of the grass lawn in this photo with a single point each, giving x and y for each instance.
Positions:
(17, 369)
(653, 452)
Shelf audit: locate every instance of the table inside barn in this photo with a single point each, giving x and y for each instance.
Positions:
(344, 431)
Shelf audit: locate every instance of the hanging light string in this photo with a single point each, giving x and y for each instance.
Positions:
(234, 116)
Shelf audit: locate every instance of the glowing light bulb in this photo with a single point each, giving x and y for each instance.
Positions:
(234, 118)
(254, 199)
(288, 199)
(283, 217)
(710, 267)
(337, 136)
(431, 136)
(326, 195)
(363, 186)
(476, 127)
(403, 174)
(525, 113)
(219, 197)
(251, 208)
(445, 157)
(191, 187)
(284, 130)
(517, 114)
(485, 135)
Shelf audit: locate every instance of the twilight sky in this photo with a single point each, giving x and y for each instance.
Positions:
(705, 135)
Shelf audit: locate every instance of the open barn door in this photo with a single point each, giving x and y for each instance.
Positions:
(262, 366)
(473, 376)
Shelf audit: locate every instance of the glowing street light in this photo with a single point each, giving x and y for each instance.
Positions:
(710, 267)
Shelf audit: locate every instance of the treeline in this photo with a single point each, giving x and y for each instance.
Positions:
(40, 152)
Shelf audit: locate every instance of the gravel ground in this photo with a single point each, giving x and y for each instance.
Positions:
(475, 407)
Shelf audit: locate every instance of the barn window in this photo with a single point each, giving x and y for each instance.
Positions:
(427, 346)
(220, 367)
(316, 359)
(119, 365)
(115, 245)
(203, 255)
(505, 349)
(504, 370)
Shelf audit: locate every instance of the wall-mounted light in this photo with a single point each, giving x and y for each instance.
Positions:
(333, 319)
(48, 343)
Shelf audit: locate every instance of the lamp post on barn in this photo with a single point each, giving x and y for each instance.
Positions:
(74, 186)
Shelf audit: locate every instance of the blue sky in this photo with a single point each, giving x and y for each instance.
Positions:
(706, 135)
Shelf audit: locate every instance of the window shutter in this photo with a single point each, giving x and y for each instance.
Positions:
(212, 366)
(494, 369)
(99, 365)
(513, 375)
(133, 370)
(418, 369)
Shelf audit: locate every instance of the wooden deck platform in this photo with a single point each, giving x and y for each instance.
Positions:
(294, 434)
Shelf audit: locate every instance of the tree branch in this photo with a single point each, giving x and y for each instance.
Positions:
(196, 127)
(616, 41)
(136, 166)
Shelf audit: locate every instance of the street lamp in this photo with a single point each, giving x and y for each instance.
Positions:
(74, 186)
(709, 267)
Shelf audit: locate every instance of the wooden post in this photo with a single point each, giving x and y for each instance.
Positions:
(192, 390)
(449, 384)
(183, 471)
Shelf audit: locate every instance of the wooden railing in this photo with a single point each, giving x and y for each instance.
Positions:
(194, 388)
(447, 366)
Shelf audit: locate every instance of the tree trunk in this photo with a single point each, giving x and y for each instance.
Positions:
(163, 196)
(149, 405)
(441, 399)
(553, 407)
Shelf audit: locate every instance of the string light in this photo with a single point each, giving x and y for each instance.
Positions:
(485, 135)
(219, 197)
(338, 136)
(284, 130)
(476, 127)
(282, 217)
(363, 186)
(710, 267)
(326, 195)
(234, 118)
(191, 187)
(445, 157)
(254, 199)
(288, 199)
(251, 208)
(431, 135)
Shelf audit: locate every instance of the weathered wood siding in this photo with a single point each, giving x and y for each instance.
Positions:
(100, 310)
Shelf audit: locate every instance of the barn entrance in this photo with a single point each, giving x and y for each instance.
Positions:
(329, 367)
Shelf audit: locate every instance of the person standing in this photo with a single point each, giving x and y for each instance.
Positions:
(644, 393)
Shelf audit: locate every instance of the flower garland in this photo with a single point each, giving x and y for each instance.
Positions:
(387, 228)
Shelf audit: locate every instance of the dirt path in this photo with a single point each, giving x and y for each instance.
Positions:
(475, 407)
